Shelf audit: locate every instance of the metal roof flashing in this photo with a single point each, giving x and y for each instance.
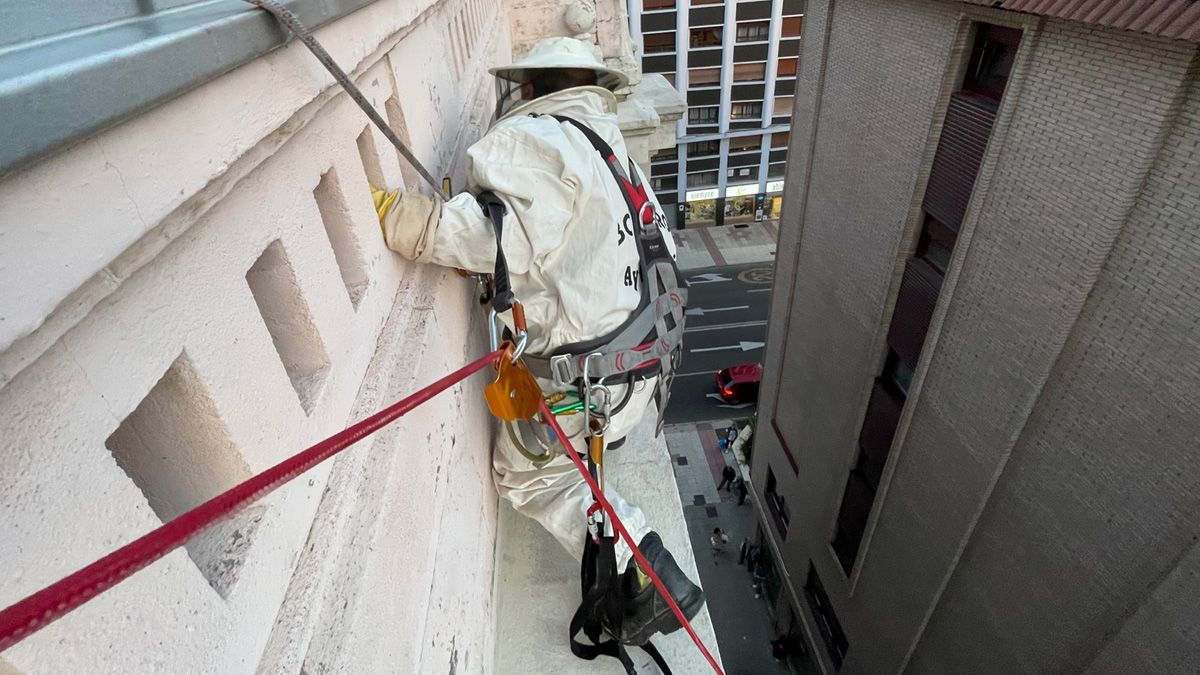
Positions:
(57, 89)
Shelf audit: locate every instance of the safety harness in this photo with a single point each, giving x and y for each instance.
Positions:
(648, 344)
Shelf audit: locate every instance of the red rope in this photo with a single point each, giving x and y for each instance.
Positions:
(620, 528)
(40, 609)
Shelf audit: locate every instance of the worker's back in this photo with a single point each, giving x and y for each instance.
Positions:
(569, 239)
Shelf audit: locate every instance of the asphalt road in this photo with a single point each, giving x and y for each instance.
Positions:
(726, 325)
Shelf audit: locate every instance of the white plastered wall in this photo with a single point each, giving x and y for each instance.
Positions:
(126, 257)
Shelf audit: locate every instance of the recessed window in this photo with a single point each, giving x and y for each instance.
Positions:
(653, 43)
(787, 67)
(706, 115)
(758, 31)
(745, 111)
(281, 303)
(776, 170)
(781, 139)
(706, 37)
(343, 237)
(178, 452)
(703, 148)
(704, 77)
(749, 72)
(783, 106)
(836, 644)
(991, 60)
(650, 5)
(780, 515)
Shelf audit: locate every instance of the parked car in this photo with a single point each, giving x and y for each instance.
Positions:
(739, 384)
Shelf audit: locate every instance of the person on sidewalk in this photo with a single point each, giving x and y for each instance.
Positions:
(718, 541)
(571, 255)
(739, 488)
(728, 474)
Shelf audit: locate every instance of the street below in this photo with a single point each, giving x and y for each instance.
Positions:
(726, 326)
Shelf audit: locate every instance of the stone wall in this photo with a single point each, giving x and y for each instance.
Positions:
(201, 291)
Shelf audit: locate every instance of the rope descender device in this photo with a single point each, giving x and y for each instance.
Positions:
(515, 394)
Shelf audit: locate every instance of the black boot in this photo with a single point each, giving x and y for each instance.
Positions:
(646, 612)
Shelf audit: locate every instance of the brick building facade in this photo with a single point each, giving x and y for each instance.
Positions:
(982, 395)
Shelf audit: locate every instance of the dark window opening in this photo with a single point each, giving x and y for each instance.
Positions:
(991, 60)
(653, 43)
(666, 154)
(828, 625)
(897, 375)
(777, 505)
(706, 37)
(658, 4)
(703, 148)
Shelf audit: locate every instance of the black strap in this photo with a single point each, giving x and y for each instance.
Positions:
(603, 605)
(495, 210)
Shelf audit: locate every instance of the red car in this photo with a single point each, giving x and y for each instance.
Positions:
(739, 384)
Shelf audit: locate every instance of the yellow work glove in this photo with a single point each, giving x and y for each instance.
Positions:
(409, 221)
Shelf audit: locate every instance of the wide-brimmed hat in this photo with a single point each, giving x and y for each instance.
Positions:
(558, 53)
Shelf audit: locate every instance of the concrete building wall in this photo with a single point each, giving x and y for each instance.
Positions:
(196, 294)
(1037, 512)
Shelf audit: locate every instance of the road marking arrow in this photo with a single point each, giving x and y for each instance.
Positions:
(709, 278)
(744, 346)
(726, 405)
(700, 311)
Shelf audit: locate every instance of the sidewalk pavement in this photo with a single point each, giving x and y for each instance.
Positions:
(742, 622)
(727, 244)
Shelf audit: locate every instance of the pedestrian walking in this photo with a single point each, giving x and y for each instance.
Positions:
(718, 540)
(739, 487)
(728, 474)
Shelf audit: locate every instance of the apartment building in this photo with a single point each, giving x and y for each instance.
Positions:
(736, 64)
(977, 434)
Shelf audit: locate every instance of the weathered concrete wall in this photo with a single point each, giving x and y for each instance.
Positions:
(1038, 511)
(196, 294)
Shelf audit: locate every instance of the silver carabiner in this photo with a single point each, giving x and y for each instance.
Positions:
(601, 412)
(522, 336)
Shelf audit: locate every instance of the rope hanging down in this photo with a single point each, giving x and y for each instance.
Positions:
(51, 603)
(287, 18)
(619, 527)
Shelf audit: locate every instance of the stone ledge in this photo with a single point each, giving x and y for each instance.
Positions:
(537, 582)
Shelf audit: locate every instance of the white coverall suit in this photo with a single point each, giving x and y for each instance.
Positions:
(572, 264)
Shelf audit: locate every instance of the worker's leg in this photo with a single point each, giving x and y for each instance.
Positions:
(556, 496)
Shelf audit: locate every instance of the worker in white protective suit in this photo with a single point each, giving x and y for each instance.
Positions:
(573, 269)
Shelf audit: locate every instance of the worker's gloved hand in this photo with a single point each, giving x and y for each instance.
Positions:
(409, 220)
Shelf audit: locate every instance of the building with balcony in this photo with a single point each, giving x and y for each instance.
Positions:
(735, 62)
(977, 433)
(193, 287)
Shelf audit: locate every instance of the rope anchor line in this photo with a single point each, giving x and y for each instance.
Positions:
(286, 17)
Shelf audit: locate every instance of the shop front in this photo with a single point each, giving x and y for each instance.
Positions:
(701, 208)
